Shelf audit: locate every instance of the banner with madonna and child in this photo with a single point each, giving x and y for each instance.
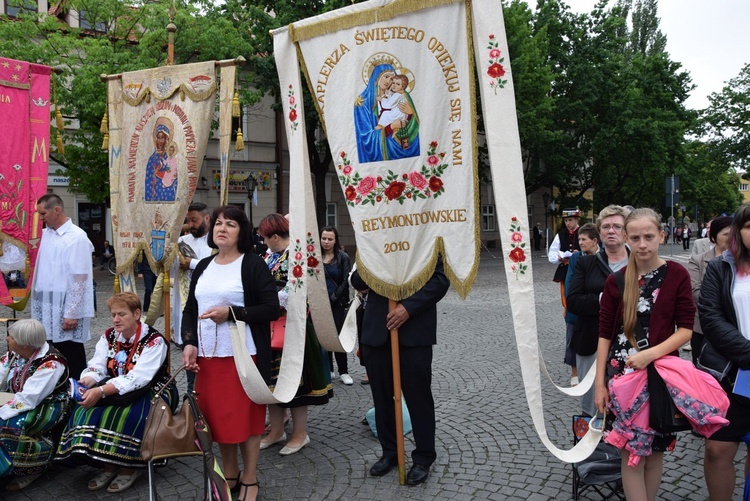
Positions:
(24, 162)
(159, 122)
(393, 82)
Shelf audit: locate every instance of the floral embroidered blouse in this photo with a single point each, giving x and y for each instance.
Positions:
(128, 372)
(44, 378)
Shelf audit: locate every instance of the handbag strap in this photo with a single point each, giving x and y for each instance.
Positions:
(158, 394)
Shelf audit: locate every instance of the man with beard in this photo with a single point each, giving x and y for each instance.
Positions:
(193, 248)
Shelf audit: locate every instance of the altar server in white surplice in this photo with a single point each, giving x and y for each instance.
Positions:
(62, 295)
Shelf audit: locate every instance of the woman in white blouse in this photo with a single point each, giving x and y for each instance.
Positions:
(233, 284)
(33, 377)
(107, 424)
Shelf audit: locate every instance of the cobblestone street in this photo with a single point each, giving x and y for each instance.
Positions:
(486, 443)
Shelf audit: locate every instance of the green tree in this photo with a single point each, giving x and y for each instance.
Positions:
(257, 18)
(727, 120)
(124, 38)
(707, 180)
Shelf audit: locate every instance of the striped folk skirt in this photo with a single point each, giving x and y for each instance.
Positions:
(26, 439)
(107, 434)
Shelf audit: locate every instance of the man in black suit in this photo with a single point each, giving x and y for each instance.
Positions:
(416, 320)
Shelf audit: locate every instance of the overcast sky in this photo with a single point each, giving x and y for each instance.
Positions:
(711, 38)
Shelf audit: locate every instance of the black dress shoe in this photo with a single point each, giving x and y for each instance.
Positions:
(417, 474)
(383, 466)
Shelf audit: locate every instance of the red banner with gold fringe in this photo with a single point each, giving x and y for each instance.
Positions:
(24, 162)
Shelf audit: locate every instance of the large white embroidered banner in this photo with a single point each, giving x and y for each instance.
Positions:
(159, 121)
(393, 84)
(392, 80)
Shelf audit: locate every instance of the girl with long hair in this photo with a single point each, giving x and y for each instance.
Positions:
(656, 296)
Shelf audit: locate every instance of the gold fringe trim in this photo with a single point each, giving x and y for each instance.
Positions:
(240, 144)
(104, 127)
(59, 119)
(466, 286)
(183, 89)
(236, 104)
(15, 85)
(105, 142)
(369, 16)
(60, 148)
(301, 59)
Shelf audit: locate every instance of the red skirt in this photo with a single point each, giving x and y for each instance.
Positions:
(231, 415)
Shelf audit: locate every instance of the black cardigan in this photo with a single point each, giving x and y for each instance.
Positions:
(261, 307)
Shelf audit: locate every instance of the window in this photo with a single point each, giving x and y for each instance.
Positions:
(488, 218)
(14, 7)
(744, 186)
(85, 23)
(331, 215)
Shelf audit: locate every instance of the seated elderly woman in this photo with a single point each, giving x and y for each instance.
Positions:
(33, 377)
(106, 427)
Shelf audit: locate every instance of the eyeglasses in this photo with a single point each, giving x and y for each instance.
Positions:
(616, 227)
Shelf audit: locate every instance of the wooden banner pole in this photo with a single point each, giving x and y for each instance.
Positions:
(166, 286)
(396, 365)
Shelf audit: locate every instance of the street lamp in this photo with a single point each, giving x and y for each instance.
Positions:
(545, 199)
(250, 184)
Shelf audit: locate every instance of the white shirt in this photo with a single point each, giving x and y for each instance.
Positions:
(389, 110)
(63, 284)
(181, 280)
(39, 386)
(220, 285)
(147, 364)
(741, 302)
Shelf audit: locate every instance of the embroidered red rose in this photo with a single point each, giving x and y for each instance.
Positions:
(496, 70)
(417, 180)
(517, 255)
(378, 199)
(433, 144)
(297, 271)
(292, 101)
(514, 218)
(433, 160)
(343, 155)
(436, 183)
(347, 169)
(495, 53)
(350, 193)
(516, 237)
(310, 248)
(366, 185)
(298, 256)
(404, 176)
(394, 190)
(492, 37)
(312, 262)
(292, 115)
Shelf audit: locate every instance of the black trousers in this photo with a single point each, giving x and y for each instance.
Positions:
(416, 382)
(339, 315)
(75, 354)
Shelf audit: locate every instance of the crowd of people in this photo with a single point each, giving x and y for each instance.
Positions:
(58, 407)
(631, 313)
(626, 309)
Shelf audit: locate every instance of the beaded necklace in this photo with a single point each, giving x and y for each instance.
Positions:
(122, 365)
(200, 338)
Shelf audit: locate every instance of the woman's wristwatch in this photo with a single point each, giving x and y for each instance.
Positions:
(104, 395)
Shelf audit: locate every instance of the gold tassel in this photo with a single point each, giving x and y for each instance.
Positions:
(117, 284)
(182, 94)
(104, 127)
(236, 104)
(105, 142)
(60, 148)
(148, 96)
(59, 119)
(240, 141)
